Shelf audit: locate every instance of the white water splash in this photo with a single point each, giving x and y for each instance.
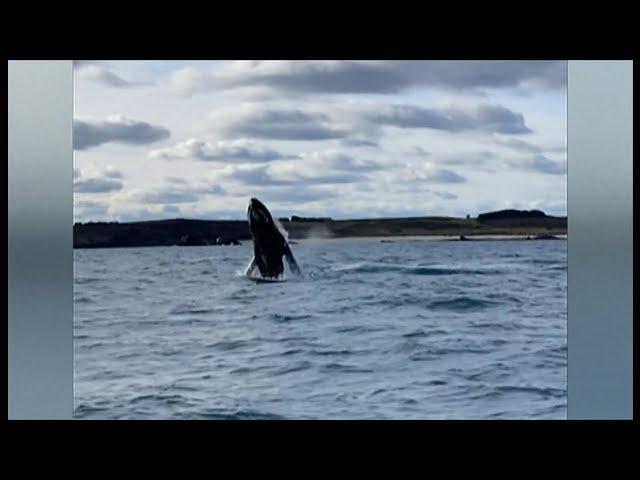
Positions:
(254, 274)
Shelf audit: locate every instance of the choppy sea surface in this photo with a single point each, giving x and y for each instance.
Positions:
(409, 329)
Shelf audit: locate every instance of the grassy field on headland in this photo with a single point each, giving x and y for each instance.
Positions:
(211, 232)
(426, 226)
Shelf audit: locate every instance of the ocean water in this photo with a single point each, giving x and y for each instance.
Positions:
(409, 329)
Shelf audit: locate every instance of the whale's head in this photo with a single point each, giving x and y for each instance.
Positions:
(260, 221)
(258, 215)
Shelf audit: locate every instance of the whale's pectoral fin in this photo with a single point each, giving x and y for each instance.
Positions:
(260, 261)
(293, 265)
(251, 267)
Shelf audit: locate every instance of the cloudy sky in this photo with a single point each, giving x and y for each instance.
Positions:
(169, 139)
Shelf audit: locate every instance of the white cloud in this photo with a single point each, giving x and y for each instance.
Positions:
(101, 75)
(222, 151)
(339, 138)
(188, 81)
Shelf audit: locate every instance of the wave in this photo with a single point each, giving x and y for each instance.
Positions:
(278, 317)
(84, 280)
(562, 268)
(558, 410)
(160, 399)
(245, 370)
(83, 300)
(494, 326)
(372, 267)
(423, 333)
(547, 392)
(236, 415)
(331, 352)
(436, 353)
(340, 367)
(543, 261)
(357, 329)
(296, 367)
(461, 304)
(85, 410)
(229, 344)
(185, 309)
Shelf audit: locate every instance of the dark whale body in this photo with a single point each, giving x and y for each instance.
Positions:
(269, 244)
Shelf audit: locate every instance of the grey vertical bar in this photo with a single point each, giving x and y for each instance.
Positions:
(40, 255)
(600, 240)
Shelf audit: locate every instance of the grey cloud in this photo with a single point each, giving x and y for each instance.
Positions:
(178, 192)
(140, 215)
(487, 74)
(87, 134)
(343, 162)
(363, 124)
(262, 176)
(96, 185)
(495, 118)
(293, 195)
(257, 176)
(283, 125)
(171, 209)
(468, 158)
(88, 210)
(113, 173)
(446, 176)
(82, 63)
(96, 72)
(224, 214)
(102, 75)
(372, 211)
(318, 76)
(210, 190)
(541, 164)
(168, 196)
(521, 145)
(557, 149)
(390, 76)
(359, 142)
(445, 195)
(176, 180)
(490, 118)
(91, 204)
(418, 150)
(222, 151)
(316, 168)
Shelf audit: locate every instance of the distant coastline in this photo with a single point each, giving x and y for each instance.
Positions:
(185, 232)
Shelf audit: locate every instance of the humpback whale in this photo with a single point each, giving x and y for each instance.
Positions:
(269, 243)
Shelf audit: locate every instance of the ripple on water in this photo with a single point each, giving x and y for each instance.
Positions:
(229, 345)
(284, 318)
(461, 304)
(396, 330)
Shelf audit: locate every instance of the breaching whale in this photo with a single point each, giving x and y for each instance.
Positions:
(269, 243)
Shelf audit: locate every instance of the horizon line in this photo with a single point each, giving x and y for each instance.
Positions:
(317, 218)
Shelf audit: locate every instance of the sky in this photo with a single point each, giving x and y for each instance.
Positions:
(345, 139)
